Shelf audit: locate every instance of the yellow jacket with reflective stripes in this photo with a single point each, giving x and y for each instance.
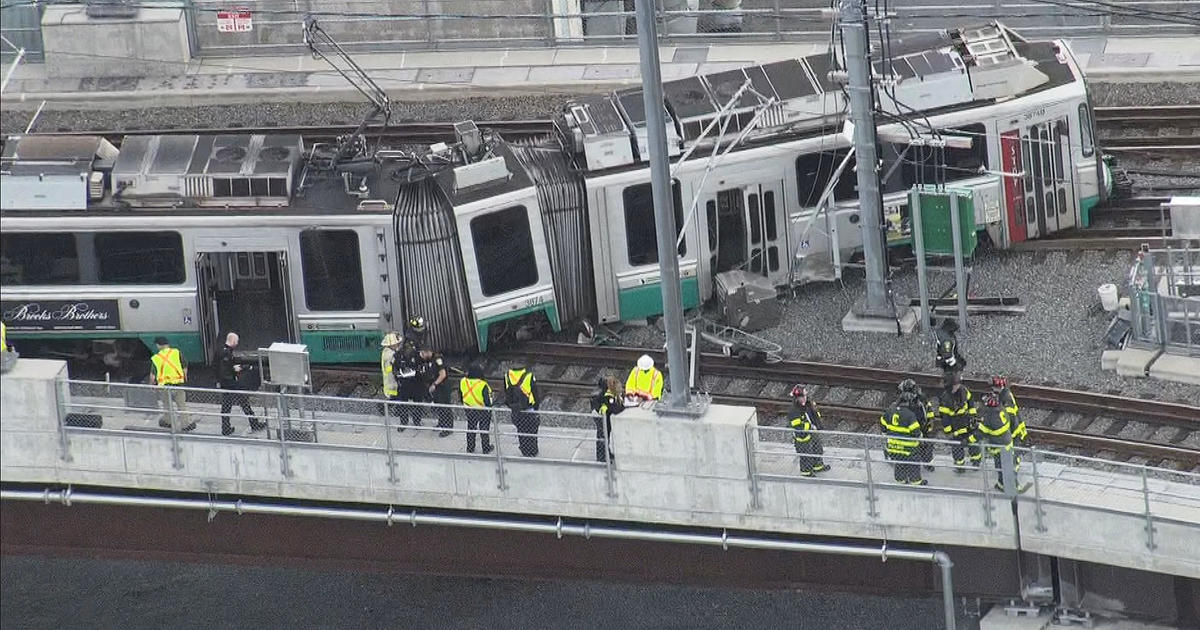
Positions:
(994, 430)
(475, 392)
(957, 412)
(645, 383)
(1008, 402)
(804, 420)
(390, 386)
(525, 380)
(168, 367)
(902, 427)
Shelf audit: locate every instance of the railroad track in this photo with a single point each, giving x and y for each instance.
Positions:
(395, 134)
(1156, 114)
(555, 361)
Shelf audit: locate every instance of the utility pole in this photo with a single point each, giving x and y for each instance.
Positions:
(664, 214)
(855, 35)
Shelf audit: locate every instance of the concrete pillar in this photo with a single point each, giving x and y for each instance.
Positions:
(711, 446)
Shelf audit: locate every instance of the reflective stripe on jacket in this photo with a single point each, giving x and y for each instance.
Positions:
(390, 386)
(475, 392)
(902, 427)
(959, 411)
(803, 420)
(168, 365)
(994, 430)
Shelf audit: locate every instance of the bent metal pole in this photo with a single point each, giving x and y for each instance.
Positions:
(664, 215)
(554, 526)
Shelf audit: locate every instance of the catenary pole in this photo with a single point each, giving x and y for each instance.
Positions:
(664, 215)
(853, 22)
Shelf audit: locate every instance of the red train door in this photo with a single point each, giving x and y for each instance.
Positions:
(1014, 193)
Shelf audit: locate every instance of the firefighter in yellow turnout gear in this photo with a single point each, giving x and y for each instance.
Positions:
(171, 373)
(1008, 402)
(958, 412)
(903, 430)
(804, 418)
(994, 431)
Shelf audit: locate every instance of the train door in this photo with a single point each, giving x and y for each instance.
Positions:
(747, 224)
(1014, 187)
(247, 292)
(1049, 187)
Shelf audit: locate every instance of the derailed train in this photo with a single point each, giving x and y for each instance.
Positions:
(189, 236)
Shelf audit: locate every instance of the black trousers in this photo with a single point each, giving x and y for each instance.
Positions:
(229, 398)
(445, 417)
(479, 420)
(411, 391)
(905, 470)
(527, 424)
(603, 432)
(811, 451)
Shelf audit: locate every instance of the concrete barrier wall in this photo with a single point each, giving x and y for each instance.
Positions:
(153, 43)
(668, 470)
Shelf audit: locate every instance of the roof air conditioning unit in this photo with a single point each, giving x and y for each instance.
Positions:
(480, 173)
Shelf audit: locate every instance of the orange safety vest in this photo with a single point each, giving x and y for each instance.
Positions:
(645, 383)
(169, 366)
(472, 390)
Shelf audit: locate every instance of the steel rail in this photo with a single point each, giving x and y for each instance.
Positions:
(1149, 113)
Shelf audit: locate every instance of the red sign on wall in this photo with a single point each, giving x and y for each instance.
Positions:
(234, 21)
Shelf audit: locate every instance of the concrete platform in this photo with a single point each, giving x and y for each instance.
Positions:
(998, 619)
(502, 72)
(1173, 367)
(1140, 363)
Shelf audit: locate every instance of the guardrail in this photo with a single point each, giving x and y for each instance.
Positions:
(1164, 287)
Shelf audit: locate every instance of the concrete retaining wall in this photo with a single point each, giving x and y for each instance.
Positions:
(153, 43)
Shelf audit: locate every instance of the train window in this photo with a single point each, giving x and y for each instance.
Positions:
(641, 235)
(711, 209)
(813, 172)
(139, 257)
(332, 270)
(38, 259)
(769, 206)
(755, 220)
(1085, 130)
(504, 251)
(925, 166)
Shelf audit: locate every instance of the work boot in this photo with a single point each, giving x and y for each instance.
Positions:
(190, 427)
(919, 482)
(166, 424)
(227, 429)
(487, 450)
(445, 433)
(806, 473)
(257, 425)
(822, 467)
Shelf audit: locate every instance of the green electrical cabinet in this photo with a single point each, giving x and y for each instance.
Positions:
(936, 228)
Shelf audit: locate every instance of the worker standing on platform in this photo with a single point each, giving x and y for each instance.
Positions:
(805, 419)
(433, 379)
(958, 412)
(645, 382)
(477, 395)
(912, 397)
(387, 365)
(228, 373)
(171, 373)
(605, 402)
(523, 396)
(405, 363)
(903, 428)
(947, 356)
(994, 432)
(1008, 402)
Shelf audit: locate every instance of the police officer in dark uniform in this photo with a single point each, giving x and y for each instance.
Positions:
(228, 373)
(605, 402)
(947, 356)
(405, 364)
(433, 376)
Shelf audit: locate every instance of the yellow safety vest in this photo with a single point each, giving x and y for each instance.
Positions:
(390, 387)
(526, 384)
(473, 390)
(169, 367)
(646, 383)
(3, 337)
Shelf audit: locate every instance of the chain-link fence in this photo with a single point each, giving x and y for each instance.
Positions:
(403, 25)
(1164, 289)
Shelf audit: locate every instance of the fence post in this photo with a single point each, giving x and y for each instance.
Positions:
(609, 474)
(1149, 517)
(778, 18)
(1037, 491)
(61, 393)
(988, 521)
(748, 439)
(173, 421)
(871, 498)
(387, 431)
(495, 429)
(285, 464)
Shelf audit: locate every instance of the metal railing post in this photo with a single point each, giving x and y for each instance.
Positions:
(495, 429)
(1150, 544)
(173, 420)
(988, 521)
(285, 459)
(778, 19)
(387, 431)
(1009, 469)
(1037, 491)
(61, 391)
(748, 439)
(609, 474)
(871, 498)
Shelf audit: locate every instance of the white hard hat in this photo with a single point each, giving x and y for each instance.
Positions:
(645, 362)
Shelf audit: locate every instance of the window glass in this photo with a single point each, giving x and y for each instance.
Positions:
(504, 251)
(769, 207)
(139, 257)
(27, 258)
(813, 172)
(755, 220)
(641, 234)
(711, 208)
(332, 269)
(1085, 130)
(926, 165)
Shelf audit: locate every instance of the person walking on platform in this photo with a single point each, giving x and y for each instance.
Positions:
(903, 428)
(228, 374)
(477, 396)
(805, 419)
(994, 431)
(405, 363)
(947, 356)
(1008, 402)
(914, 399)
(523, 396)
(958, 412)
(432, 370)
(645, 382)
(171, 373)
(387, 364)
(605, 402)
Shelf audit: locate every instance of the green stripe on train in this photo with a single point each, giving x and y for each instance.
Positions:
(342, 346)
(482, 326)
(646, 300)
(1085, 210)
(189, 343)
